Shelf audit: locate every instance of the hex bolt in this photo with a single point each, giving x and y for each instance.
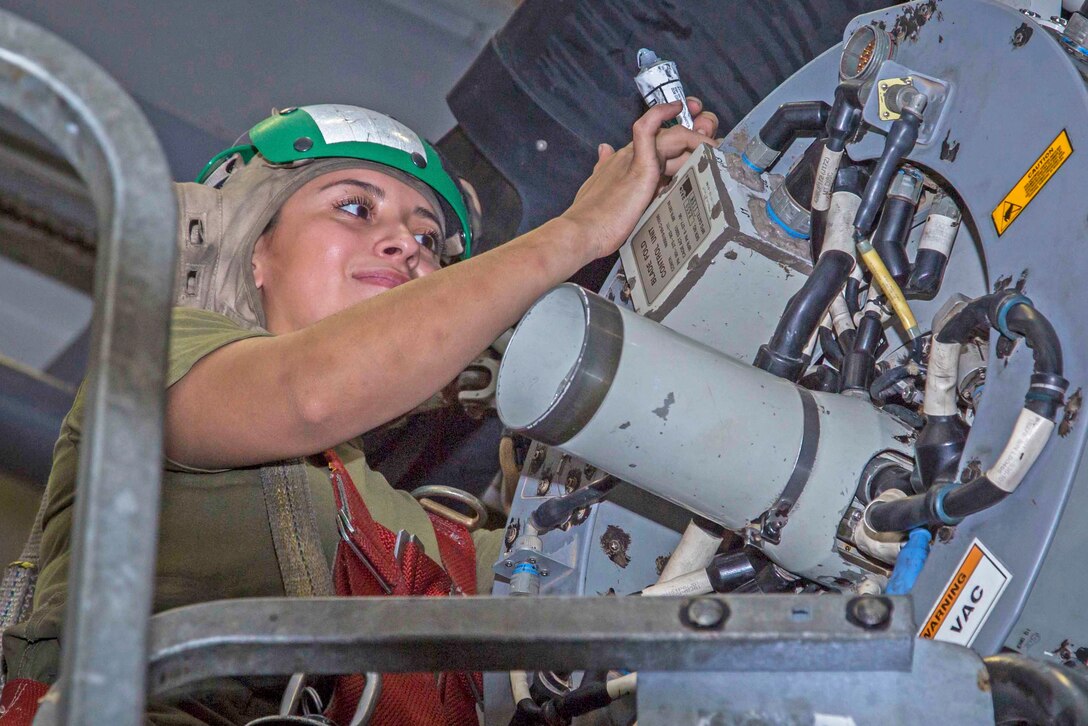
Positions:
(705, 613)
(870, 612)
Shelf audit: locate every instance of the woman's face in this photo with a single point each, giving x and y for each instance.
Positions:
(342, 238)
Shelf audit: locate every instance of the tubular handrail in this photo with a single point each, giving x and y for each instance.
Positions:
(104, 135)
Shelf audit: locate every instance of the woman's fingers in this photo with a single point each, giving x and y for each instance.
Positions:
(644, 135)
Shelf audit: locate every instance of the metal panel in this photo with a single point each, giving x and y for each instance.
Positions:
(278, 636)
(994, 133)
(103, 135)
(946, 684)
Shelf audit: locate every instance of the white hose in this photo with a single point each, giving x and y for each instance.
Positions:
(696, 582)
(941, 376)
(841, 321)
(939, 234)
(519, 686)
(695, 550)
(1029, 436)
(825, 178)
(619, 687)
(840, 224)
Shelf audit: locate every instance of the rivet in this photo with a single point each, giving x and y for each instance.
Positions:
(304, 143)
(541, 145)
(869, 611)
(419, 160)
(705, 613)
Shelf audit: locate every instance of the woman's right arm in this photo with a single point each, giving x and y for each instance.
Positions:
(269, 398)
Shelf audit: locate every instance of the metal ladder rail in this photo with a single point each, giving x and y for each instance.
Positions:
(103, 134)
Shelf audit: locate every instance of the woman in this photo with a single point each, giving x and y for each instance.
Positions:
(313, 306)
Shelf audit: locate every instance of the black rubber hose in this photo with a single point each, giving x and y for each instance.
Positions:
(554, 512)
(784, 355)
(851, 178)
(799, 179)
(926, 275)
(899, 142)
(789, 119)
(901, 515)
(527, 713)
(938, 450)
(1020, 318)
(831, 348)
(906, 415)
(972, 320)
(890, 477)
(1040, 335)
(858, 366)
(730, 571)
(886, 380)
(844, 117)
(890, 237)
(1029, 691)
(853, 293)
(974, 496)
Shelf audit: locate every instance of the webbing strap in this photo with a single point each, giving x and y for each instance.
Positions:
(291, 517)
(20, 577)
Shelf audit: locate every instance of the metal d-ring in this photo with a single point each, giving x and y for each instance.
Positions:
(458, 495)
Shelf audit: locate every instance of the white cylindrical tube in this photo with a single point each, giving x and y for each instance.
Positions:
(883, 546)
(840, 224)
(672, 416)
(659, 82)
(622, 686)
(695, 550)
(825, 179)
(1028, 438)
(841, 320)
(941, 377)
(692, 583)
(939, 234)
(519, 686)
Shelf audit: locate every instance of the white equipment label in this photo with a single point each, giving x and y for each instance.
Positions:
(968, 599)
(666, 241)
(349, 123)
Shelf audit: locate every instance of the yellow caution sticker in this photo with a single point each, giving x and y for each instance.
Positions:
(1048, 163)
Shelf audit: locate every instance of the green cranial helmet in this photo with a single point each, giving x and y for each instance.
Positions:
(328, 131)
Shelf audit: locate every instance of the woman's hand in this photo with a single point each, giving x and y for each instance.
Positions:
(624, 182)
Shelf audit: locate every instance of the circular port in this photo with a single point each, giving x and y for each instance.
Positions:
(863, 53)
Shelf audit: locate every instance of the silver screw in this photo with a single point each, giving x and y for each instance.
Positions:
(541, 145)
(508, 563)
(705, 612)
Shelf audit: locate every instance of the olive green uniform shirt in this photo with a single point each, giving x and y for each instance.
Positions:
(215, 540)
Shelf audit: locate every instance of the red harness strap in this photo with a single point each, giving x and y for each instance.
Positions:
(365, 566)
(19, 701)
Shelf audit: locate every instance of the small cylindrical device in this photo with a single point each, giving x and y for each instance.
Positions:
(659, 82)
